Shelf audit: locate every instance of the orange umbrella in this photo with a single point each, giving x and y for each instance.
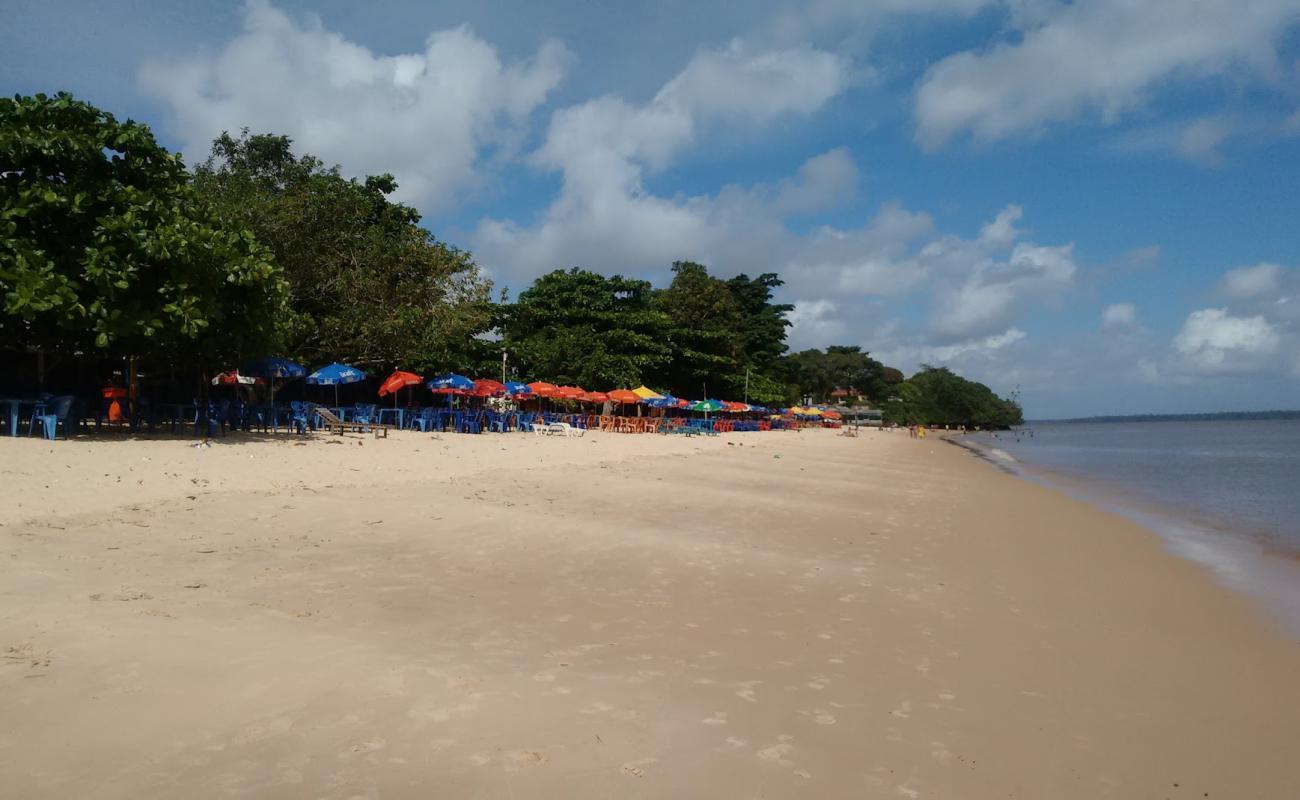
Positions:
(543, 389)
(398, 380)
(569, 392)
(624, 396)
(594, 397)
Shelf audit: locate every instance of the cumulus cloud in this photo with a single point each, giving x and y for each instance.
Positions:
(428, 117)
(1249, 283)
(1102, 59)
(756, 87)
(1119, 316)
(1213, 341)
(605, 148)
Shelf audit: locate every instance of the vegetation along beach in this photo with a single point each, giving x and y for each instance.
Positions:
(587, 401)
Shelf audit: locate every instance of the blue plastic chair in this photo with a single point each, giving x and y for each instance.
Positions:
(299, 416)
(60, 409)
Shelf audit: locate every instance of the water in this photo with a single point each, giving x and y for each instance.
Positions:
(1225, 494)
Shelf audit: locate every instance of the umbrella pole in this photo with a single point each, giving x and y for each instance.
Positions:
(336, 395)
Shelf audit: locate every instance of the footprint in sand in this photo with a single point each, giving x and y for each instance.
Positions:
(634, 768)
(777, 753)
(718, 718)
(522, 759)
(370, 745)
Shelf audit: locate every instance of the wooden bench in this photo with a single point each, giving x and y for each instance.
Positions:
(333, 424)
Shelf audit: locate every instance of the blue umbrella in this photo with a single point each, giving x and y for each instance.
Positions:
(334, 375)
(272, 368)
(515, 388)
(451, 382)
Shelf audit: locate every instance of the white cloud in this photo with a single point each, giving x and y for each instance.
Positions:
(1248, 283)
(1200, 141)
(1119, 316)
(814, 322)
(756, 87)
(427, 117)
(1102, 58)
(605, 147)
(1213, 341)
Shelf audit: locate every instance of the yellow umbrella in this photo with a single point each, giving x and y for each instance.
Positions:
(647, 394)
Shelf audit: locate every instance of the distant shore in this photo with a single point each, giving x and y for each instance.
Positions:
(785, 614)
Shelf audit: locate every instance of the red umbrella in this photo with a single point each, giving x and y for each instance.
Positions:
(485, 387)
(543, 389)
(399, 380)
(569, 392)
(624, 396)
(594, 397)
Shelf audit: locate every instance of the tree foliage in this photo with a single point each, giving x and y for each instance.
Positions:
(368, 285)
(938, 396)
(579, 327)
(845, 367)
(105, 246)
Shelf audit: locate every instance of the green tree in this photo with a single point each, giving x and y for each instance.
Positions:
(819, 373)
(938, 396)
(579, 327)
(706, 333)
(368, 284)
(105, 246)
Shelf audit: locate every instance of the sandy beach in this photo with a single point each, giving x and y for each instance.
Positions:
(752, 615)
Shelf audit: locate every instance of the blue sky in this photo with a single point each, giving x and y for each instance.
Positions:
(1092, 203)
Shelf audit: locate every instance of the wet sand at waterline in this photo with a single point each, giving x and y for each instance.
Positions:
(752, 615)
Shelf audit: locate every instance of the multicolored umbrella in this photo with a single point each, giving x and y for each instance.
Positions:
(233, 378)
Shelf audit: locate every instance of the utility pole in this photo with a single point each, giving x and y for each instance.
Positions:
(503, 365)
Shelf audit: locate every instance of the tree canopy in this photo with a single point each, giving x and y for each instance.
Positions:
(579, 327)
(368, 285)
(109, 245)
(106, 247)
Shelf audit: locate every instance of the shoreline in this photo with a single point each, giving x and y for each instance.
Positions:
(1250, 562)
(776, 614)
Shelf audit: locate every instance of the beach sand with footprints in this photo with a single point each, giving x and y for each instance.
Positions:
(751, 615)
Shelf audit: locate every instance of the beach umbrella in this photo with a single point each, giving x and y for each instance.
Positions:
(451, 383)
(595, 397)
(706, 405)
(543, 389)
(517, 389)
(569, 392)
(398, 380)
(233, 378)
(485, 387)
(625, 396)
(735, 407)
(335, 375)
(275, 367)
(646, 393)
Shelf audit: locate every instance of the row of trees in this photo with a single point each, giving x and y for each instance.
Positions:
(108, 245)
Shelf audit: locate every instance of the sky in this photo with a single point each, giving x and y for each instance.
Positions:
(1091, 205)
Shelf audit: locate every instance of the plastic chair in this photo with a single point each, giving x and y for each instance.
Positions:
(60, 409)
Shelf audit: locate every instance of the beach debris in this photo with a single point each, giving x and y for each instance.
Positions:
(195, 585)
